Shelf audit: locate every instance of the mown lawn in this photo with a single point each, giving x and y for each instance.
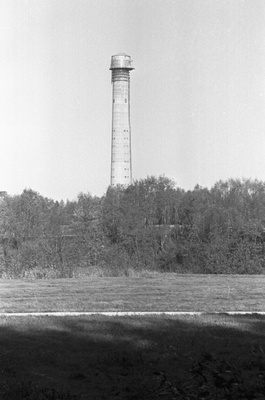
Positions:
(165, 292)
(151, 357)
(184, 357)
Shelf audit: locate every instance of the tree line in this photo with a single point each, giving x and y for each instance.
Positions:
(152, 225)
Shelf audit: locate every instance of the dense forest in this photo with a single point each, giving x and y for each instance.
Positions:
(152, 225)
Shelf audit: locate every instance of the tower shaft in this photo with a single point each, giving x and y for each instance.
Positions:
(121, 161)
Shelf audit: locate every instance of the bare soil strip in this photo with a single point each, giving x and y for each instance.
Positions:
(170, 292)
(125, 313)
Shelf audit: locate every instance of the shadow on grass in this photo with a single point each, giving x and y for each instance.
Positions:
(188, 357)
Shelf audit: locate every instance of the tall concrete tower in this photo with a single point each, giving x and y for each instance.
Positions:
(121, 160)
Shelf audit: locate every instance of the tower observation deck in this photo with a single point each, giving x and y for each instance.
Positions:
(121, 158)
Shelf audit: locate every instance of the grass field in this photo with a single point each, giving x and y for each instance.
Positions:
(167, 292)
(199, 357)
(152, 357)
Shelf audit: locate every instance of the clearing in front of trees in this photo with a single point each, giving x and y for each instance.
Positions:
(184, 357)
(164, 292)
(151, 357)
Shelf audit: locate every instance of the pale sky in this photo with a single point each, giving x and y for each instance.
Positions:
(197, 92)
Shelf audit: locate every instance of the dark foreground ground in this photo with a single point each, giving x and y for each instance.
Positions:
(186, 357)
(165, 292)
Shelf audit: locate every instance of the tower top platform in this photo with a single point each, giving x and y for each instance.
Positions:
(121, 60)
